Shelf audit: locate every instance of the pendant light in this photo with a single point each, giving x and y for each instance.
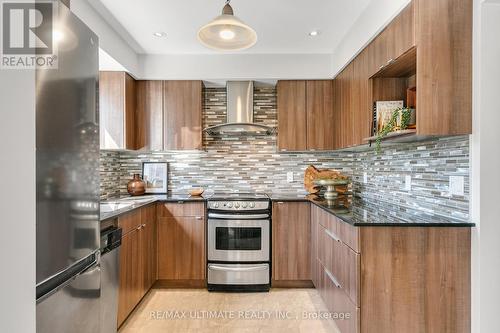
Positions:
(227, 32)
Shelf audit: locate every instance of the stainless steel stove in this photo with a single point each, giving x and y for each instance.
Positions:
(239, 238)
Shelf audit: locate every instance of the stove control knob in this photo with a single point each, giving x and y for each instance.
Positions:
(244, 205)
(252, 205)
(237, 205)
(215, 205)
(229, 204)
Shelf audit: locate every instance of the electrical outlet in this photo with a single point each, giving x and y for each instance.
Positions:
(456, 185)
(289, 177)
(408, 183)
(365, 178)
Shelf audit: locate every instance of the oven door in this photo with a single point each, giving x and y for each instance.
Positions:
(238, 240)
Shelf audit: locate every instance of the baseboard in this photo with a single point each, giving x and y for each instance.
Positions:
(292, 284)
(180, 284)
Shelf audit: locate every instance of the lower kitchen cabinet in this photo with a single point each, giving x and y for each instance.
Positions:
(130, 288)
(181, 244)
(137, 258)
(291, 243)
(390, 278)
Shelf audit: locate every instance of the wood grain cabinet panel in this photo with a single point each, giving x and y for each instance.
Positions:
(292, 115)
(314, 245)
(148, 234)
(444, 67)
(181, 208)
(117, 103)
(182, 107)
(129, 221)
(291, 237)
(319, 97)
(129, 290)
(181, 248)
(149, 116)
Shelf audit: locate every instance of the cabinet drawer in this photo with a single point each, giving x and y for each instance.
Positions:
(181, 208)
(330, 250)
(350, 276)
(337, 302)
(130, 221)
(325, 219)
(348, 234)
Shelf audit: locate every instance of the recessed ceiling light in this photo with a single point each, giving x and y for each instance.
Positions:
(314, 33)
(160, 34)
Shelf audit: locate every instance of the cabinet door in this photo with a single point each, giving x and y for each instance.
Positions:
(181, 248)
(314, 245)
(129, 290)
(182, 102)
(149, 129)
(400, 34)
(292, 117)
(116, 110)
(444, 67)
(291, 258)
(361, 108)
(320, 115)
(149, 248)
(346, 116)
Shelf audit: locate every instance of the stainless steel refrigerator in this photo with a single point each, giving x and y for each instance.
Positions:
(67, 176)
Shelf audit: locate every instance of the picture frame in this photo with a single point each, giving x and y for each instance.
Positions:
(383, 113)
(155, 175)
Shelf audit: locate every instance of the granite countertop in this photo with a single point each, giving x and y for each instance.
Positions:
(349, 209)
(358, 212)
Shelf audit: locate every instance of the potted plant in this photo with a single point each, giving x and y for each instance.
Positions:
(392, 125)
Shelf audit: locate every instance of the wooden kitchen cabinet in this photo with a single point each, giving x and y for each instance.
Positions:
(148, 249)
(117, 104)
(130, 286)
(291, 243)
(149, 117)
(390, 278)
(181, 244)
(292, 115)
(319, 97)
(182, 109)
(138, 258)
(305, 115)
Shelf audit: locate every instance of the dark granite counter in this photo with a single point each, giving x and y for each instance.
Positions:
(357, 212)
(349, 209)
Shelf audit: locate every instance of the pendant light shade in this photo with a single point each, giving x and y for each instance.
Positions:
(227, 32)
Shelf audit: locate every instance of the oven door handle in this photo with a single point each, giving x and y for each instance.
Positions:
(238, 269)
(238, 216)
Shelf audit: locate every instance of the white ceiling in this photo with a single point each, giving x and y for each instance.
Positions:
(282, 25)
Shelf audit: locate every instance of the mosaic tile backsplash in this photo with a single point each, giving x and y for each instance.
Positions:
(253, 164)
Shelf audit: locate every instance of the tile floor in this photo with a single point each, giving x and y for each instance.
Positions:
(189, 310)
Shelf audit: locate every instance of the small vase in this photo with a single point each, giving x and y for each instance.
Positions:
(136, 186)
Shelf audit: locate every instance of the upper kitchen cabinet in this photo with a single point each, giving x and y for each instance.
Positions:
(305, 118)
(444, 67)
(149, 118)
(319, 101)
(292, 115)
(422, 57)
(117, 103)
(182, 110)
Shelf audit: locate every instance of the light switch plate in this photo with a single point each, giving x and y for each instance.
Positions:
(456, 185)
(289, 177)
(408, 183)
(365, 177)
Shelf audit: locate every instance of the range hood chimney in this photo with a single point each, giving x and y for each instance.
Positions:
(239, 112)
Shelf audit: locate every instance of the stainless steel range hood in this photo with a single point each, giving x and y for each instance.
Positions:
(239, 113)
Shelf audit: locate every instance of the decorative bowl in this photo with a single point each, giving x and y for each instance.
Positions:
(196, 192)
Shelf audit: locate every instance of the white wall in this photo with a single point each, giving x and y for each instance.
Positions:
(485, 168)
(17, 201)
(109, 40)
(372, 20)
(236, 66)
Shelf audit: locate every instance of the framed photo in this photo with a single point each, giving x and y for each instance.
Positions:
(155, 174)
(383, 112)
